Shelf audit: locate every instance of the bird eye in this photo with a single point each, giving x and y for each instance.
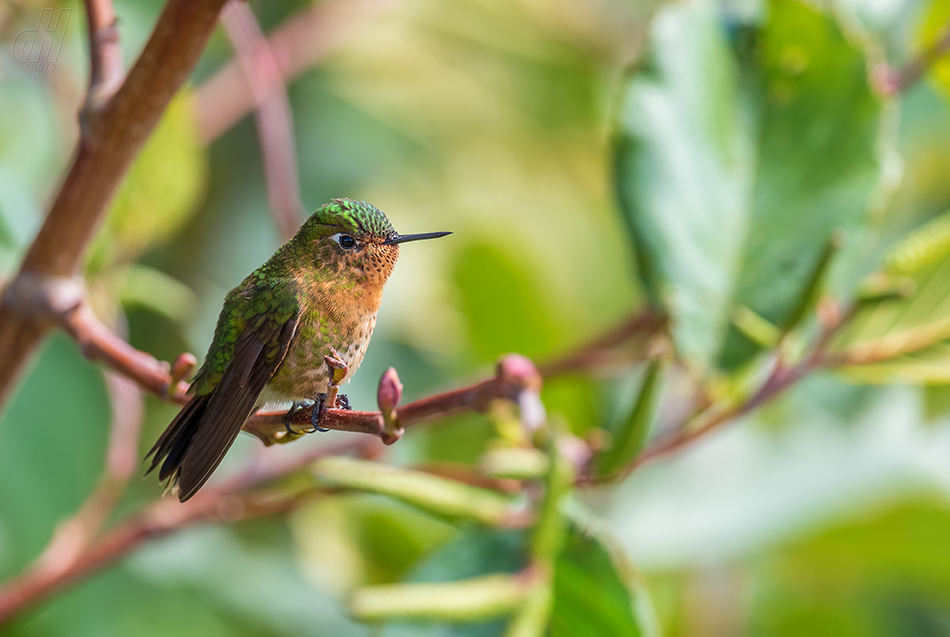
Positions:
(346, 241)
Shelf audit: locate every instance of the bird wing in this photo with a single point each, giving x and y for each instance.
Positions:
(202, 433)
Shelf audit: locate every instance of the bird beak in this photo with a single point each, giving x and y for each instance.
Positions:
(403, 238)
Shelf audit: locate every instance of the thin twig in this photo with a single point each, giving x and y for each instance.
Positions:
(105, 56)
(296, 45)
(274, 119)
(779, 380)
(595, 352)
(112, 136)
(235, 499)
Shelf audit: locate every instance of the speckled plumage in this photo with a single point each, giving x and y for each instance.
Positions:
(274, 330)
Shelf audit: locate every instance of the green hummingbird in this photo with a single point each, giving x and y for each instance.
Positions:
(317, 294)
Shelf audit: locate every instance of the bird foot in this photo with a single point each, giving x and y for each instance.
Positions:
(316, 407)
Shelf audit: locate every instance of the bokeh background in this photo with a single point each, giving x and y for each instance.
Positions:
(826, 513)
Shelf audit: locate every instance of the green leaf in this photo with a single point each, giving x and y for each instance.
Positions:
(592, 597)
(161, 191)
(633, 432)
(505, 307)
(446, 498)
(52, 445)
(737, 160)
(470, 600)
(903, 338)
(472, 553)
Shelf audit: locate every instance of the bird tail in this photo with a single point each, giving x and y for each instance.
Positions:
(173, 444)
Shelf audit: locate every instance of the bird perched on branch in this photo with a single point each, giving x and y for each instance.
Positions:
(317, 295)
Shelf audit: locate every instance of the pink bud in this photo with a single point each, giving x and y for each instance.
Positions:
(520, 371)
(389, 392)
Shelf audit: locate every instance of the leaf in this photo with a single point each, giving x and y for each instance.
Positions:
(472, 553)
(591, 598)
(160, 192)
(736, 161)
(504, 306)
(52, 445)
(596, 592)
(633, 432)
(904, 338)
(440, 496)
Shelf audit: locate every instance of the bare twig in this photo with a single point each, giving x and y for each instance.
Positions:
(105, 56)
(296, 46)
(111, 137)
(275, 128)
(234, 500)
(891, 81)
(594, 353)
(779, 380)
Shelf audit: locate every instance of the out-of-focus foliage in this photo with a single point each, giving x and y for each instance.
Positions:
(705, 178)
(731, 202)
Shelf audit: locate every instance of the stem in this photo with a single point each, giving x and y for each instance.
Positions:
(275, 128)
(111, 137)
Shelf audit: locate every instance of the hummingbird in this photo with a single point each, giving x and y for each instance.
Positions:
(317, 295)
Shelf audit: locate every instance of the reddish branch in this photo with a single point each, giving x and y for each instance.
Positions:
(513, 375)
(601, 349)
(232, 501)
(273, 116)
(105, 56)
(113, 133)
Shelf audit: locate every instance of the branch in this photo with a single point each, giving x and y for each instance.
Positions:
(597, 351)
(779, 380)
(274, 119)
(891, 81)
(62, 302)
(105, 56)
(111, 136)
(514, 376)
(295, 46)
(232, 501)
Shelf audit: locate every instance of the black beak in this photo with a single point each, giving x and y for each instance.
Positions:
(403, 238)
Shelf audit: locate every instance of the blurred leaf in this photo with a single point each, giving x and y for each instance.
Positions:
(592, 598)
(148, 288)
(881, 574)
(353, 539)
(474, 552)
(161, 190)
(440, 496)
(736, 163)
(52, 445)
(936, 401)
(633, 432)
(504, 306)
(903, 338)
(465, 601)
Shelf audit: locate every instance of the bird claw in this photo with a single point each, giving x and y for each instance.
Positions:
(343, 402)
(318, 406)
(289, 416)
